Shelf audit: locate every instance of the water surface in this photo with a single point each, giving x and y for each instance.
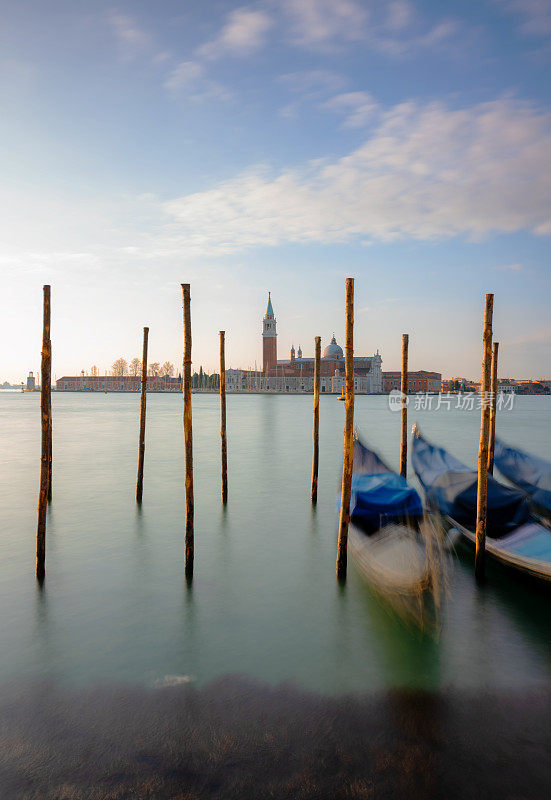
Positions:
(264, 600)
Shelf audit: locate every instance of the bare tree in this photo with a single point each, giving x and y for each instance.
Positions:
(167, 369)
(154, 369)
(94, 371)
(120, 367)
(135, 367)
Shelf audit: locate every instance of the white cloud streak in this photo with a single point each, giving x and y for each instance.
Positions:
(358, 108)
(426, 172)
(243, 34)
(394, 28)
(312, 83)
(189, 78)
(391, 27)
(131, 39)
(535, 15)
(510, 267)
(308, 86)
(317, 22)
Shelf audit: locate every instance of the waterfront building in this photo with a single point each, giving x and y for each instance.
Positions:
(420, 381)
(117, 383)
(507, 385)
(296, 373)
(31, 382)
(530, 387)
(288, 375)
(251, 381)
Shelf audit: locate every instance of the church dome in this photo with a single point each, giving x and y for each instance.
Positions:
(333, 350)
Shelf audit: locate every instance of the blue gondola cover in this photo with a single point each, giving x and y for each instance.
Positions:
(381, 498)
(451, 488)
(531, 474)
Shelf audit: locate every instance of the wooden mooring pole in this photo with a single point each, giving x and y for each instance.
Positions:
(143, 400)
(348, 434)
(493, 409)
(404, 408)
(50, 460)
(223, 436)
(188, 435)
(482, 490)
(50, 455)
(316, 423)
(46, 423)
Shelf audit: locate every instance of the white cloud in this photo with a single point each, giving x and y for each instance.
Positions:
(308, 86)
(358, 108)
(131, 38)
(400, 15)
(393, 27)
(317, 22)
(243, 34)
(510, 267)
(313, 82)
(426, 172)
(389, 26)
(52, 263)
(545, 228)
(186, 74)
(189, 78)
(535, 15)
(433, 38)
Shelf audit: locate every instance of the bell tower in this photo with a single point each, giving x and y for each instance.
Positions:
(269, 338)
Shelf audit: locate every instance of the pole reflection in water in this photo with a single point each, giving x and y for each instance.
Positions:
(264, 603)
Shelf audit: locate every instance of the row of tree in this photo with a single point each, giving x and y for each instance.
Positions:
(199, 380)
(202, 380)
(154, 370)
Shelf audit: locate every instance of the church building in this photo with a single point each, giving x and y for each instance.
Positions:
(296, 373)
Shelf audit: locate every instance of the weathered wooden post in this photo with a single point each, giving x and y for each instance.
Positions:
(223, 438)
(493, 408)
(348, 433)
(50, 459)
(316, 425)
(143, 400)
(404, 408)
(46, 413)
(188, 435)
(482, 490)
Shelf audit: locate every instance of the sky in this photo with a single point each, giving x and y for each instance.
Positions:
(280, 145)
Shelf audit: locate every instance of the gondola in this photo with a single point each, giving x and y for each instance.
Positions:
(530, 474)
(387, 534)
(513, 535)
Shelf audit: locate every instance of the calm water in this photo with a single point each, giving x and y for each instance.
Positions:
(264, 600)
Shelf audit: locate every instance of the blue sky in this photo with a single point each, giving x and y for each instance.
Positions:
(281, 145)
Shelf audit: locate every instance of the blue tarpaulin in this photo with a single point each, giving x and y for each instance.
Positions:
(531, 474)
(379, 495)
(380, 498)
(451, 487)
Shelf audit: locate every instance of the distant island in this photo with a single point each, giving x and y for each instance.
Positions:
(7, 385)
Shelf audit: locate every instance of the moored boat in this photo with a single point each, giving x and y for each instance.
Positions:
(513, 535)
(530, 474)
(388, 531)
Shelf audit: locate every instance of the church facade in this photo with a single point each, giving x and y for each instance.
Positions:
(296, 373)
